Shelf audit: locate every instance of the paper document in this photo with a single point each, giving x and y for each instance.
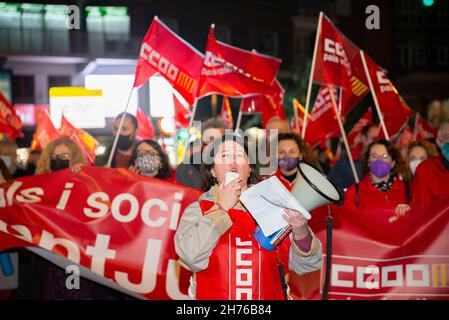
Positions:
(266, 202)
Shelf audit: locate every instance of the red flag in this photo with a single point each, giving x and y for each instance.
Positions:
(423, 129)
(164, 52)
(338, 63)
(85, 141)
(182, 113)
(45, 132)
(235, 72)
(226, 113)
(146, 129)
(10, 123)
(365, 120)
(394, 109)
(323, 123)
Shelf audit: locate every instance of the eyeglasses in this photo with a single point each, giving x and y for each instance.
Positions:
(375, 156)
(62, 156)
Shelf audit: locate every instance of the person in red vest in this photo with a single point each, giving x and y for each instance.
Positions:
(382, 187)
(215, 237)
(431, 180)
(291, 149)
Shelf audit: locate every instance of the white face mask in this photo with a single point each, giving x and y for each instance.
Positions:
(413, 165)
(7, 160)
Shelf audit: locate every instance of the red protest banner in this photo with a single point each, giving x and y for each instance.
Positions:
(375, 259)
(120, 226)
(235, 72)
(166, 53)
(45, 132)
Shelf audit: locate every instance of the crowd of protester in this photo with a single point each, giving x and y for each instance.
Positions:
(390, 177)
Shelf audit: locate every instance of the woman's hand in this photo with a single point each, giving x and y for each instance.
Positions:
(298, 223)
(400, 211)
(229, 196)
(77, 167)
(134, 169)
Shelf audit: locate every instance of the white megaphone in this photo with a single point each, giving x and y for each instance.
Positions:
(312, 190)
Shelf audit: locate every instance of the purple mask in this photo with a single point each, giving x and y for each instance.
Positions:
(288, 163)
(380, 168)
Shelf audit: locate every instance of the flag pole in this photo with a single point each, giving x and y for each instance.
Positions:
(343, 133)
(195, 104)
(415, 127)
(114, 145)
(312, 71)
(239, 118)
(376, 102)
(295, 113)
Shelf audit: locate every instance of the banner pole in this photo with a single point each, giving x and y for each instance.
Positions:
(376, 102)
(114, 145)
(312, 71)
(343, 133)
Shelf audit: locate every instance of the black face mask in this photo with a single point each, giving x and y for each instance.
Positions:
(124, 142)
(59, 164)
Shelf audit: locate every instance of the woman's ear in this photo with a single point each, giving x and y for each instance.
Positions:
(212, 172)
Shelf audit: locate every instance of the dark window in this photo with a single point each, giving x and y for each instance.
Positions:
(23, 89)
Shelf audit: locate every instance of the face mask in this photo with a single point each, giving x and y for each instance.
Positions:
(7, 160)
(59, 164)
(124, 142)
(445, 150)
(413, 165)
(148, 164)
(288, 163)
(380, 168)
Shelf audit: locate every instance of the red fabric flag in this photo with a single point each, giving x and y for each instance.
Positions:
(394, 109)
(323, 123)
(164, 52)
(85, 141)
(146, 129)
(10, 123)
(423, 129)
(226, 113)
(365, 120)
(182, 113)
(45, 132)
(338, 63)
(235, 72)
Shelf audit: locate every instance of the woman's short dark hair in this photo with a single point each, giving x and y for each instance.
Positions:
(164, 171)
(399, 166)
(207, 166)
(130, 117)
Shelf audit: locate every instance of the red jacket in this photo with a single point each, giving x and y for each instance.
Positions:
(369, 197)
(431, 182)
(239, 268)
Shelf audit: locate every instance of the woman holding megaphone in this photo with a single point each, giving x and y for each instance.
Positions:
(215, 238)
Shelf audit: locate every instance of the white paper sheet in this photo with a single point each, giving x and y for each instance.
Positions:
(266, 202)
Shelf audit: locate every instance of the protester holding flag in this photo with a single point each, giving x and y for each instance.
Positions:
(431, 181)
(382, 186)
(125, 145)
(214, 230)
(148, 159)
